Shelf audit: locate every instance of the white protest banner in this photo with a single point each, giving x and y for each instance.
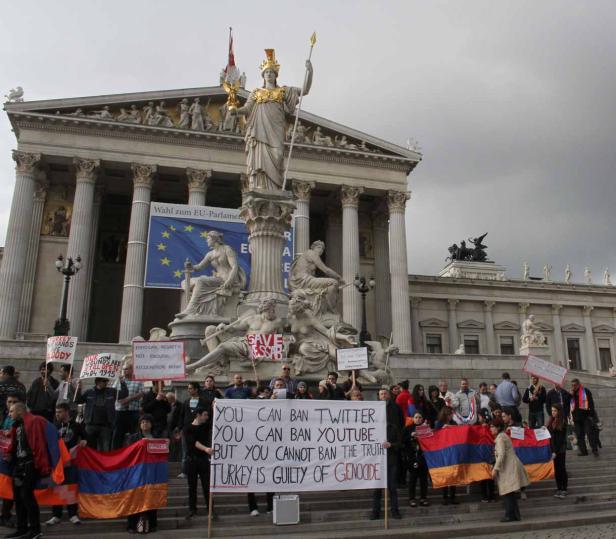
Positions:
(104, 365)
(350, 359)
(517, 433)
(542, 434)
(544, 369)
(159, 360)
(265, 346)
(298, 445)
(61, 349)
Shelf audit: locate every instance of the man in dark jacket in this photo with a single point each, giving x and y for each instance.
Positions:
(187, 415)
(535, 396)
(41, 397)
(99, 416)
(155, 403)
(10, 385)
(583, 410)
(560, 396)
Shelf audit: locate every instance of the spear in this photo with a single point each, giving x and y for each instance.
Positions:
(313, 40)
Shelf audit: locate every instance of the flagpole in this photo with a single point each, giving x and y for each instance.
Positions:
(313, 40)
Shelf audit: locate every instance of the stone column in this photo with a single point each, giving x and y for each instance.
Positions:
(351, 302)
(333, 240)
(522, 315)
(79, 241)
(559, 354)
(25, 306)
(16, 244)
(267, 216)
(452, 320)
(301, 194)
(592, 365)
(89, 268)
(382, 288)
(197, 185)
(398, 266)
(416, 333)
(489, 323)
(132, 299)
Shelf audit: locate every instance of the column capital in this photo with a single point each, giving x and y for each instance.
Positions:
(556, 308)
(349, 196)
(523, 307)
(415, 301)
(302, 189)
(143, 175)
(86, 170)
(588, 309)
(26, 163)
(396, 200)
(488, 305)
(452, 303)
(198, 179)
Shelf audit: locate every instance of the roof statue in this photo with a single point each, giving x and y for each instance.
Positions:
(15, 95)
(467, 254)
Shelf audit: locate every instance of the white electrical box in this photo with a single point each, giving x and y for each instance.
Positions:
(286, 510)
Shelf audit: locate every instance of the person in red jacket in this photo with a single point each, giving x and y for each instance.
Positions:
(29, 461)
(404, 399)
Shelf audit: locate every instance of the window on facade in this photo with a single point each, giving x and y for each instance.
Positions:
(573, 352)
(434, 344)
(471, 344)
(605, 354)
(506, 345)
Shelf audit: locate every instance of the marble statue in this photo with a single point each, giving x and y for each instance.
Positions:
(102, 114)
(77, 112)
(15, 95)
(315, 345)
(210, 293)
(342, 142)
(587, 275)
(460, 350)
(223, 346)
(322, 291)
(159, 116)
(135, 115)
(148, 112)
(547, 272)
(607, 278)
(266, 110)
(228, 121)
(320, 139)
(531, 336)
(243, 80)
(196, 115)
(185, 119)
(379, 372)
(158, 334)
(124, 116)
(526, 271)
(568, 274)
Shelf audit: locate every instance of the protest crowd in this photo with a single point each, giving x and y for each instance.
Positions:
(110, 416)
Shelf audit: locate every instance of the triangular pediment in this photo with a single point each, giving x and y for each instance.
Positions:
(507, 326)
(471, 324)
(603, 328)
(162, 112)
(544, 326)
(433, 323)
(573, 328)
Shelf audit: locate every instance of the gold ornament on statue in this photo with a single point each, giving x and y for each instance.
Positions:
(231, 88)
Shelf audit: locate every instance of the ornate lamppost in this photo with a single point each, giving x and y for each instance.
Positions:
(363, 287)
(68, 268)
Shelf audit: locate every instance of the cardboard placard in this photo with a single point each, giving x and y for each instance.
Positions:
(61, 349)
(350, 359)
(265, 346)
(159, 360)
(105, 365)
(545, 370)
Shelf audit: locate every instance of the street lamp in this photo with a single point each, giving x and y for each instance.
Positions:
(68, 268)
(363, 287)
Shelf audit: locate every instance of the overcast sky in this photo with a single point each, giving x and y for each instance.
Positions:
(513, 103)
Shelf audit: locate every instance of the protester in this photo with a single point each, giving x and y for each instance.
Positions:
(558, 395)
(198, 436)
(40, 397)
(290, 383)
(279, 391)
(99, 414)
(186, 417)
(302, 391)
(209, 391)
(395, 390)
(29, 457)
(393, 445)
(348, 385)
(73, 435)
(535, 396)
(558, 442)
(127, 408)
(265, 392)
(403, 399)
(582, 411)
(508, 472)
(67, 388)
(356, 395)
(415, 461)
(487, 485)
(237, 390)
(146, 521)
(7, 505)
(465, 404)
(323, 390)
(155, 403)
(485, 397)
(173, 417)
(507, 393)
(435, 400)
(444, 393)
(335, 391)
(445, 420)
(10, 385)
(419, 402)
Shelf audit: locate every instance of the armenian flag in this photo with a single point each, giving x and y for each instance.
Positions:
(536, 455)
(123, 482)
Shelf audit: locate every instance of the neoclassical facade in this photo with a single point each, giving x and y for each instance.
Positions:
(87, 170)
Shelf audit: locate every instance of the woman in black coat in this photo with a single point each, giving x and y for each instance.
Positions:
(414, 458)
(558, 442)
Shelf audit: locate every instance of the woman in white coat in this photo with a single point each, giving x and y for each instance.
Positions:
(508, 472)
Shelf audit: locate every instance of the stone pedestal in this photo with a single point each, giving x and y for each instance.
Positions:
(486, 271)
(191, 331)
(268, 216)
(542, 351)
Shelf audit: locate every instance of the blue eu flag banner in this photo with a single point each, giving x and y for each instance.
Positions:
(178, 232)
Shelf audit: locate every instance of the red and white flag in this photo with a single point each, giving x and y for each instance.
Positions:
(232, 73)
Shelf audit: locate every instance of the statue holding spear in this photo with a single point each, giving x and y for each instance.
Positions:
(266, 110)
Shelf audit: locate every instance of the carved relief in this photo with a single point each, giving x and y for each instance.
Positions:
(57, 212)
